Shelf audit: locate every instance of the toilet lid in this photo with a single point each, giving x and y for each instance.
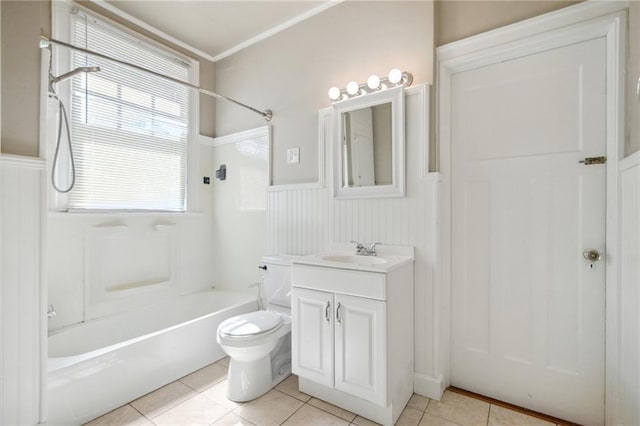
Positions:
(250, 324)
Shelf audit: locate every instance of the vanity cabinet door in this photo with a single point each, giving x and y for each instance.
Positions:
(312, 335)
(360, 339)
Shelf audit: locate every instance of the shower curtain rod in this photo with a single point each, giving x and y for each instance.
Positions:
(45, 41)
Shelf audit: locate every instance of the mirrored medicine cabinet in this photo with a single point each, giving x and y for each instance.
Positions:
(369, 145)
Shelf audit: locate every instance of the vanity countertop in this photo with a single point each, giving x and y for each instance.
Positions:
(343, 257)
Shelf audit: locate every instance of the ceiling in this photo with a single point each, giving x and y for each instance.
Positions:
(215, 29)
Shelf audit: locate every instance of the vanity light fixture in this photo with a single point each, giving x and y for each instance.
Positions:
(374, 83)
(353, 88)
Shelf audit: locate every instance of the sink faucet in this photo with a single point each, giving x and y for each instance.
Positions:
(363, 250)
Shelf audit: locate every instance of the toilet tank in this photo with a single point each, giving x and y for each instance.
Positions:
(277, 280)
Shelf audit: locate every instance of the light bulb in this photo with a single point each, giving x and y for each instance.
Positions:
(334, 93)
(373, 82)
(395, 76)
(353, 88)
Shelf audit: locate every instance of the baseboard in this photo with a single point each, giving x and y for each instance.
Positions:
(429, 386)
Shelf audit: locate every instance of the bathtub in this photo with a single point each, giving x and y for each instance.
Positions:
(104, 363)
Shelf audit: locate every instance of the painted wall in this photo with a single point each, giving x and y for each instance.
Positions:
(632, 141)
(291, 72)
(22, 23)
(456, 20)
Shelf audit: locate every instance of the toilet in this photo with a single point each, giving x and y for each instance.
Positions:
(259, 343)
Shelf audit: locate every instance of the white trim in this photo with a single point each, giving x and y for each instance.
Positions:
(424, 91)
(206, 140)
(294, 187)
(44, 297)
(22, 161)
(531, 27)
(153, 30)
(579, 22)
(629, 162)
(257, 132)
(238, 47)
(193, 201)
(429, 386)
(616, 59)
(432, 176)
(275, 30)
(324, 130)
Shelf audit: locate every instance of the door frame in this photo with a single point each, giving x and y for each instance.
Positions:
(572, 24)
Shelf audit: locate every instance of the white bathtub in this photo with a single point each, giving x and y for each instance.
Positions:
(104, 363)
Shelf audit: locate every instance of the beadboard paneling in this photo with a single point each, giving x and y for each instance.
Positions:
(297, 221)
(629, 315)
(20, 300)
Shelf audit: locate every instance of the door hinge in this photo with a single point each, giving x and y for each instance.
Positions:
(593, 160)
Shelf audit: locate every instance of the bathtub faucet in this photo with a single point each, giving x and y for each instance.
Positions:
(363, 250)
(51, 312)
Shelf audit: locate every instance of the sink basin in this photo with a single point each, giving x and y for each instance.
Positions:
(343, 256)
(354, 259)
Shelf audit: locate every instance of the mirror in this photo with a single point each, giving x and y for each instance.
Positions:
(369, 145)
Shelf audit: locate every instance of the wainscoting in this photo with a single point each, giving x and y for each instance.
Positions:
(306, 219)
(21, 318)
(629, 280)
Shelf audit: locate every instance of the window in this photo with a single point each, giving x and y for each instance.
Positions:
(130, 129)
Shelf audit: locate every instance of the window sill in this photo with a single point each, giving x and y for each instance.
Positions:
(98, 213)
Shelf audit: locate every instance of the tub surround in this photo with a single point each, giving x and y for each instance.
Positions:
(106, 263)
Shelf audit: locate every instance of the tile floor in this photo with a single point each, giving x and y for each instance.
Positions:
(199, 399)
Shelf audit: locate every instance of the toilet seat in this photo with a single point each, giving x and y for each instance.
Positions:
(252, 340)
(250, 325)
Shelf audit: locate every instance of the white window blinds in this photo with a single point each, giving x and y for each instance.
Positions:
(130, 129)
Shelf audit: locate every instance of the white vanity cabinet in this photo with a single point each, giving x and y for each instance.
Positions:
(352, 336)
(312, 332)
(340, 342)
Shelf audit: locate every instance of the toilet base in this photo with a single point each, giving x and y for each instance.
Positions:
(249, 380)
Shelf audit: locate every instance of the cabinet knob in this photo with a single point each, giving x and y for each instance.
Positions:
(326, 311)
(338, 313)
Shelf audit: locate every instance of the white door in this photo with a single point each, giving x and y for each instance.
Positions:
(360, 356)
(312, 335)
(527, 308)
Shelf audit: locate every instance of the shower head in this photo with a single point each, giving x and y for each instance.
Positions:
(53, 80)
